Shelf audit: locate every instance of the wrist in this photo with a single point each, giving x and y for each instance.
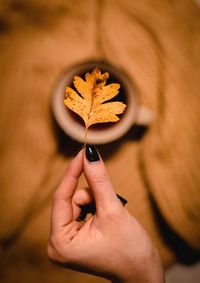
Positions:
(149, 270)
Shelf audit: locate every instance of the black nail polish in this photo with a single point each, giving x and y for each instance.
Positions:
(85, 209)
(123, 200)
(91, 153)
(91, 208)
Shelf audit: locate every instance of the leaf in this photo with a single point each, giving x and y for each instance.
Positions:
(89, 104)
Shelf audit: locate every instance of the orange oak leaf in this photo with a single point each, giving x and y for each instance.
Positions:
(89, 102)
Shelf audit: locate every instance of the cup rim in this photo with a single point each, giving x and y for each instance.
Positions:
(75, 130)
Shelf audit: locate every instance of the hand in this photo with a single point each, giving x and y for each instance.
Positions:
(111, 243)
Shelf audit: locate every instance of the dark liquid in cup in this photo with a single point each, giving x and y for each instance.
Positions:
(120, 97)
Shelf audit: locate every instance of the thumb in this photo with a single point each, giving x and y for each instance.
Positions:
(98, 180)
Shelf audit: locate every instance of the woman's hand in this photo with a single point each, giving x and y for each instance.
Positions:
(111, 243)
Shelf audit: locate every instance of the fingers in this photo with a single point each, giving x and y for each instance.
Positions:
(62, 211)
(98, 180)
(81, 198)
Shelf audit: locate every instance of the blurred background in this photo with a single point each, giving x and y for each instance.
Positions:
(157, 44)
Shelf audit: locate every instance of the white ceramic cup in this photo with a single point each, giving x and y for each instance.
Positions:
(134, 114)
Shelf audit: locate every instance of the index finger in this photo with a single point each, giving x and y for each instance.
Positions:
(98, 180)
(62, 211)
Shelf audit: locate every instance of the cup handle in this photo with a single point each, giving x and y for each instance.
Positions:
(145, 116)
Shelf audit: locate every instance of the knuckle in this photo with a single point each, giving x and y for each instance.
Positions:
(114, 213)
(99, 178)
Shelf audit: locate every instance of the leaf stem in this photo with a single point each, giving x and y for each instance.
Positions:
(85, 137)
(91, 105)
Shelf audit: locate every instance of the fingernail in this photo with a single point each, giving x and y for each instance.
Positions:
(91, 153)
(85, 209)
(123, 200)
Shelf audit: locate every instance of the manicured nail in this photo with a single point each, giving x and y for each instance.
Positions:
(91, 208)
(91, 153)
(85, 209)
(123, 200)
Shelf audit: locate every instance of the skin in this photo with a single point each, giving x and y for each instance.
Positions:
(111, 243)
